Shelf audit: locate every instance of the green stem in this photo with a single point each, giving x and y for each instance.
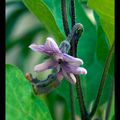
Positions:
(104, 75)
(109, 102)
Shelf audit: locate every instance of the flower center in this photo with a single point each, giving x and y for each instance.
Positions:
(60, 61)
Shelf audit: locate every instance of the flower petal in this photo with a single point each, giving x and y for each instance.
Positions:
(51, 45)
(37, 48)
(72, 60)
(73, 69)
(48, 64)
(81, 70)
(69, 76)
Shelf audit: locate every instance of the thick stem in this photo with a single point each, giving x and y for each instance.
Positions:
(109, 102)
(64, 17)
(104, 75)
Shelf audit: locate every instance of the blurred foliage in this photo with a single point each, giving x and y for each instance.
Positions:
(44, 19)
(106, 13)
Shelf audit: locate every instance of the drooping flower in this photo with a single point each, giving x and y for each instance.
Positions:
(66, 65)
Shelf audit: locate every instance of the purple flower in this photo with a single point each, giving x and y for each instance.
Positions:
(65, 64)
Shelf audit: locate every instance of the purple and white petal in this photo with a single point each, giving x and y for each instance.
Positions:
(37, 48)
(69, 77)
(52, 46)
(81, 70)
(73, 77)
(48, 64)
(72, 60)
(73, 69)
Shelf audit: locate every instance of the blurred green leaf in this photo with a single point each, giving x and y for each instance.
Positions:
(103, 46)
(87, 42)
(43, 13)
(21, 103)
(13, 18)
(113, 118)
(112, 109)
(23, 42)
(105, 9)
(11, 2)
(26, 39)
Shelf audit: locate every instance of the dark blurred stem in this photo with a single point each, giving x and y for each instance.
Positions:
(71, 86)
(64, 17)
(104, 75)
(110, 101)
(72, 11)
(84, 114)
(66, 30)
(72, 102)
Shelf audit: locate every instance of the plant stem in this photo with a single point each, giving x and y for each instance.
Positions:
(64, 17)
(71, 86)
(84, 114)
(110, 101)
(72, 102)
(104, 75)
(72, 11)
(66, 30)
(73, 52)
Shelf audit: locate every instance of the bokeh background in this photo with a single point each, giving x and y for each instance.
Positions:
(24, 26)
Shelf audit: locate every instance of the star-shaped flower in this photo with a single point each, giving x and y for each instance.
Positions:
(66, 65)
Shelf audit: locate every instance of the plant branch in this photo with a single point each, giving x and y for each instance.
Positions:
(104, 75)
(64, 17)
(72, 11)
(66, 30)
(71, 86)
(110, 101)
(72, 102)
(84, 114)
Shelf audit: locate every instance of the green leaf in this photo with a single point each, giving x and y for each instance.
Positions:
(112, 109)
(45, 16)
(11, 2)
(102, 42)
(87, 42)
(105, 9)
(21, 103)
